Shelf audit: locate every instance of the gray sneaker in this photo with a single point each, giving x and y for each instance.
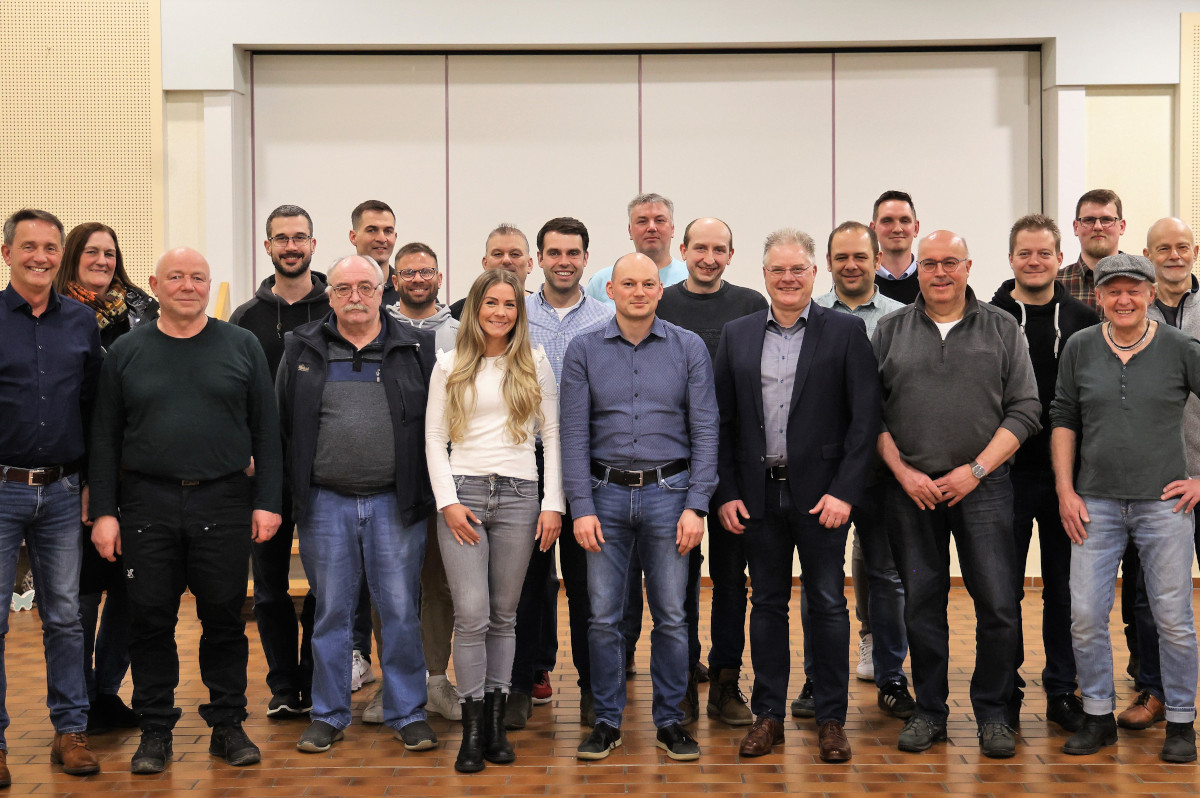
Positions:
(373, 712)
(417, 736)
(997, 740)
(919, 734)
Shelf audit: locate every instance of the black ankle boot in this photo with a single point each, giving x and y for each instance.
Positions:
(496, 748)
(470, 753)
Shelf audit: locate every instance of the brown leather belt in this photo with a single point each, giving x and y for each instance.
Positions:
(636, 479)
(38, 476)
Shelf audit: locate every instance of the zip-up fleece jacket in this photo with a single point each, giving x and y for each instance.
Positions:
(442, 324)
(943, 400)
(1188, 321)
(270, 318)
(408, 359)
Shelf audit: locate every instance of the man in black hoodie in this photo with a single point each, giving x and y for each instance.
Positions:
(1048, 316)
(292, 296)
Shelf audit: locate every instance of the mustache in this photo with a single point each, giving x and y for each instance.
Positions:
(356, 306)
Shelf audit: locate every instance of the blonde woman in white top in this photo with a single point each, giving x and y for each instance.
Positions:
(488, 400)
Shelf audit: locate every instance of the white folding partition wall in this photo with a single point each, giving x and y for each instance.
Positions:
(456, 144)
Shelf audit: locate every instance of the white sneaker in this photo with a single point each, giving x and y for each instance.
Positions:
(442, 698)
(361, 672)
(373, 712)
(866, 665)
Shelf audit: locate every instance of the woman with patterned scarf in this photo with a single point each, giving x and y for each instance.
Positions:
(93, 273)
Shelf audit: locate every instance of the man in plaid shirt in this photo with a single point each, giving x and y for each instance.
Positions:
(1099, 226)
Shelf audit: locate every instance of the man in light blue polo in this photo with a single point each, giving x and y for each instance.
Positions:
(639, 439)
(651, 228)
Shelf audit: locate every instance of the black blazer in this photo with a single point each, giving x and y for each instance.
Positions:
(834, 418)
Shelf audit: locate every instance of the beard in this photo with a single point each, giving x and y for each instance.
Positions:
(293, 271)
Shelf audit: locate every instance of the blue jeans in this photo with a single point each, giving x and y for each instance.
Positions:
(1165, 546)
(1035, 499)
(486, 579)
(644, 519)
(47, 519)
(343, 538)
(886, 591)
(982, 526)
(770, 541)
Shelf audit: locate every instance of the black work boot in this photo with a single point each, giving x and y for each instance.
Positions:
(495, 740)
(1097, 732)
(470, 753)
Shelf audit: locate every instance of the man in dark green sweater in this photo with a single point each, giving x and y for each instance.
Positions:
(185, 411)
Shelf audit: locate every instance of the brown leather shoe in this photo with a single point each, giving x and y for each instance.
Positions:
(1144, 712)
(5, 776)
(763, 735)
(834, 745)
(72, 752)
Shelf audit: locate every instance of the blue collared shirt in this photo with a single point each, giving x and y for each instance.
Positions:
(554, 333)
(780, 354)
(634, 406)
(674, 272)
(49, 366)
(870, 311)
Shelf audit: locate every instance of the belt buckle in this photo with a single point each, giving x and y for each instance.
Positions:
(641, 479)
(31, 475)
(189, 483)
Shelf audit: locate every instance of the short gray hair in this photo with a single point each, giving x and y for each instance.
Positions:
(506, 229)
(650, 199)
(786, 236)
(338, 263)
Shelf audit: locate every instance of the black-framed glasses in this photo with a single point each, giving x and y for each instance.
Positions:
(365, 290)
(949, 265)
(1105, 221)
(282, 241)
(411, 274)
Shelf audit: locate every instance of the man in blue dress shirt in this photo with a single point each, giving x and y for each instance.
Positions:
(49, 366)
(639, 439)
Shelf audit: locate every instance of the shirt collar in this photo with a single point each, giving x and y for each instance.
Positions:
(541, 298)
(13, 300)
(886, 275)
(613, 330)
(803, 316)
(835, 300)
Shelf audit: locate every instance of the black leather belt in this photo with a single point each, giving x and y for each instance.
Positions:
(38, 476)
(636, 479)
(185, 483)
(779, 473)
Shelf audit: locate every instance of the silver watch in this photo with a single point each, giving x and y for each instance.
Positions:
(979, 471)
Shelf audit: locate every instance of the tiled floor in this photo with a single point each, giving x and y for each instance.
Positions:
(370, 762)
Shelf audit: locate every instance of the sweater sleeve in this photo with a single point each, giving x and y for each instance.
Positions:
(437, 436)
(1064, 410)
(107, 434)
(263, 418)
(552, 496)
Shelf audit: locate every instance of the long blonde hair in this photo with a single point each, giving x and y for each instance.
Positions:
(520, 387)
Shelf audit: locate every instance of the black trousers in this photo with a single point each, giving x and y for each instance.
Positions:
(197, 538)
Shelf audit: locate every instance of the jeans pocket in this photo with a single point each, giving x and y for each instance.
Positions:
(71, 484)
(677, 482)
(525, 488)
(597, 482)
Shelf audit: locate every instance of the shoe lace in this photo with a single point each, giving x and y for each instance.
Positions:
(730, 691)
(76, 740)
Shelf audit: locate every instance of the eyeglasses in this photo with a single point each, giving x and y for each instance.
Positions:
(282, 240)
(410, 274)
(795, 271)
(365, 290)
(1105, 221)
(949, 265)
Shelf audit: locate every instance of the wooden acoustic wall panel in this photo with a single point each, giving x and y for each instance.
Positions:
(1189, 119)
(81, 111)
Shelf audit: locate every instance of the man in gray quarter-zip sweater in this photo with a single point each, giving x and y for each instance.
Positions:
(959, 398)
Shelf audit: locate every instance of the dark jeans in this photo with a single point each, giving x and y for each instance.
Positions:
(632, 624)
(196, 538)
(105, 641)
(885, 590)
(1034, 499)
(770, 541)
(1149, 675)
(727, 568)
(289, 669)
(537, 612)
(982, 523)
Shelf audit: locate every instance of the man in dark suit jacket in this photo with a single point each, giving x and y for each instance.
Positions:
(799, 398)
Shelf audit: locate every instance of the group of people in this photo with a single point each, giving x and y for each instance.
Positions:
(429, 457)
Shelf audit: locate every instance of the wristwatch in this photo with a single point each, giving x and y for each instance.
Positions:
(977, 470)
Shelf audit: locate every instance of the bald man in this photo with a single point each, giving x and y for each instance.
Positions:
(639, 441)
(185, 414)
(959, 399)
